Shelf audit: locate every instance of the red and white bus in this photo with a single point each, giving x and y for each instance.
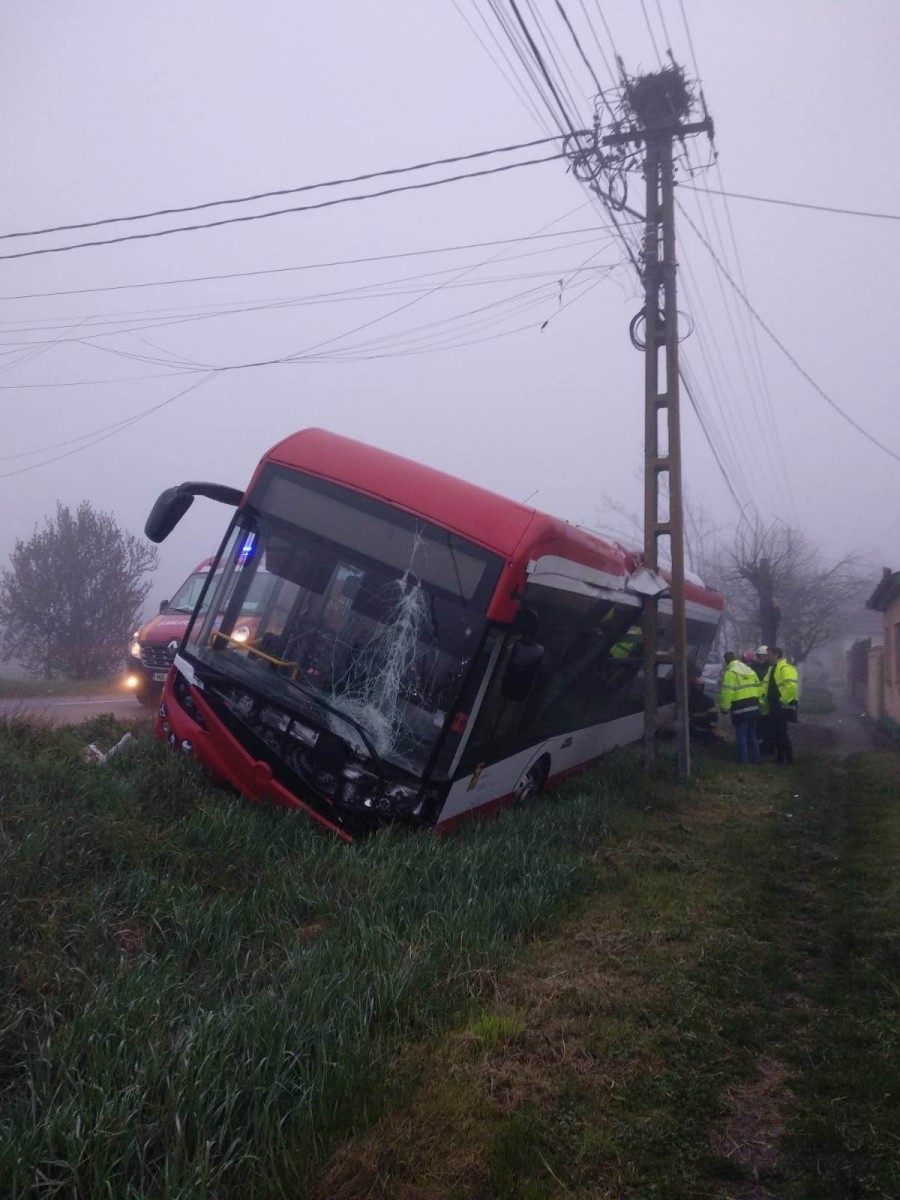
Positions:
(428, 650)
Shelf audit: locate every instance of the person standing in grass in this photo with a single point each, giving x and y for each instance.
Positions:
(740, 696)
(781, 701)
(760, 664)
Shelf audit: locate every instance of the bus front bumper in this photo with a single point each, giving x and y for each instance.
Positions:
(224, 757)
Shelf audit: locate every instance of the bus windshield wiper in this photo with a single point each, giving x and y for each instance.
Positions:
(306, 690)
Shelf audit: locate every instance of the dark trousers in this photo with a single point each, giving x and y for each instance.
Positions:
(764, 732)
(745, 736)
(784, 751)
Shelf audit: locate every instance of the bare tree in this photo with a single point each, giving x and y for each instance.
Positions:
(72, 594)
(701, 535)
(780, 589)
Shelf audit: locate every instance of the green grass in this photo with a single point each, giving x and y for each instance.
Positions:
(203, 996)
(845, 1138)
(631, 989)
(721, 1019)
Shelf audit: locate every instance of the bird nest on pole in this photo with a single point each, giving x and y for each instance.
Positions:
(659, 99)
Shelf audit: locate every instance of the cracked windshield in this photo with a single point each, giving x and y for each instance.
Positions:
(377, 614)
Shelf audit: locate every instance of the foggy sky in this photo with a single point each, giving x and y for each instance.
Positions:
(115, 108)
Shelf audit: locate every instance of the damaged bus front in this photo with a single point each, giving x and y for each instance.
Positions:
(346, 701)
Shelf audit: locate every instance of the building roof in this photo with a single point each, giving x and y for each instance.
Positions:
(887, 591)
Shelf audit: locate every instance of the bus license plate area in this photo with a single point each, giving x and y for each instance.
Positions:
(160, 676)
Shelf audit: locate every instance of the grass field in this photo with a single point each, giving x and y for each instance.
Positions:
(626, 990)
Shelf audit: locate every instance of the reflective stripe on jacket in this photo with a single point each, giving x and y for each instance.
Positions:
(740, 691)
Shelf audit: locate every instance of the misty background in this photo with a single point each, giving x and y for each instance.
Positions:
(123, 108)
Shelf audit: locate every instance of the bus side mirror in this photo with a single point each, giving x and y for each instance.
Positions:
(163, 606)
(170, 507)
(174, 502)
(521, 671)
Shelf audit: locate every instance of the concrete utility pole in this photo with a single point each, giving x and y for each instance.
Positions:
(657, 105)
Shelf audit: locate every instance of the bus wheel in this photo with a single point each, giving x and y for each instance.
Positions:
(531, 782)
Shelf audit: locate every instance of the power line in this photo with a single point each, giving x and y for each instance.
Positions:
(652, 34)
(578, 46)
(512, 80)
(781, 346)
(408, 187)
(107, 431)
(542, 66)
(665, 28)
(847, 212)
(338, 262)
(95, 436)
(697, 411)
(159, 318)
(40, 322)
(307, 187)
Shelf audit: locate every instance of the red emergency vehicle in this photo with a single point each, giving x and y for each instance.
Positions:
(151, 650)
(427, 650)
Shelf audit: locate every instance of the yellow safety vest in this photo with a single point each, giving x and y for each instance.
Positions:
(740, 692)
(628, 645)
(785, 677)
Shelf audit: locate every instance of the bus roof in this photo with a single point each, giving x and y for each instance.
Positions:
(513, 530)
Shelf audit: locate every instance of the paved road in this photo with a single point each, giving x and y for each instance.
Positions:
(70, 710)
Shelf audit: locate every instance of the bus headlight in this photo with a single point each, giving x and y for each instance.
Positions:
(135, 648)
(131, 682)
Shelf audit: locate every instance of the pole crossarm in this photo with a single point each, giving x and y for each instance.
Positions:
(671, 132)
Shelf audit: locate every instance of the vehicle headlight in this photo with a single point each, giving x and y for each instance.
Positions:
(241, 634)
(135, 648)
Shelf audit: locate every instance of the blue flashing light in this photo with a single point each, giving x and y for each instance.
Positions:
(246, 551)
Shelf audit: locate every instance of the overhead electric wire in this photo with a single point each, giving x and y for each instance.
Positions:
(700, 419)
(67, 383)
(294, 191)
(392, 191)
(656, 49)
(542, 66)
(514, 83)
(519, 47)
(665, 28)
(774, 454)
(94, 436)
(690, 40)
(612, 41)
(606, 62)
(579, 47)
(826, 208)
(748, 329)
(783, 348)
(557, 58)
(177, 316)
(339, 262)
(107, 431)
(717, 369)
(567, 119)
(705, 421)
(456, 345)
(561, 285)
